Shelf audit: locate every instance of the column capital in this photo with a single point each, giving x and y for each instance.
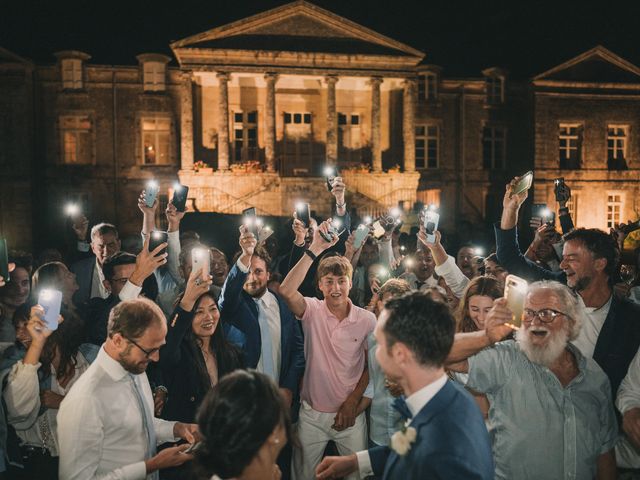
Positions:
(223, 76)
(331, 79)
(375, 81)
(410, 82)
(271, 76)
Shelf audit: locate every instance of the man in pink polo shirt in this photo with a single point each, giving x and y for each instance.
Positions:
(335, 341)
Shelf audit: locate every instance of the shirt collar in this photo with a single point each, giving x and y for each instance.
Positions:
(268, 298)
(417, 400)
(99, 271)
(351, 316)
(111, 366)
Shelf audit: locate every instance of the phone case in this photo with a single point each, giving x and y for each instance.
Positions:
(524, 184)
(200, 260)
(360, 236)
(156, 239)
(431, 220)
(180, 198)
(378, 229)
(50, 301)
(515, 291)
(303, 214)
(151, 193)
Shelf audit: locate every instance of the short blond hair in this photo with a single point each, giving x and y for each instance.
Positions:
(335, 265)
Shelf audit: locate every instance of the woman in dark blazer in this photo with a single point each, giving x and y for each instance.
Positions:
(197, 353)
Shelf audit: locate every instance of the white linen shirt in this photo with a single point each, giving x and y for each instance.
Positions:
(593, 320)
(100, 426)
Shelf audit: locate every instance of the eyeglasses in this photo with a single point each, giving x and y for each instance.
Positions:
(120, 280)
(546, 315)
(147, 353)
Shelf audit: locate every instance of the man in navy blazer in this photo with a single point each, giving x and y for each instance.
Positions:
(445, 436)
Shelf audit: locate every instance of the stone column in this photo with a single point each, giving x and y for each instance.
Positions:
(376, 148)
(409, 124)
(186, 122)
(332, 121)
(223, 122)
(270, 123)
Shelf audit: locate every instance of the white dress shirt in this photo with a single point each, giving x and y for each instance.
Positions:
(627, 455)
(593, 321)
(416, 402)
(268, 303)
(453, 276)
(97, 287)
(100, 426)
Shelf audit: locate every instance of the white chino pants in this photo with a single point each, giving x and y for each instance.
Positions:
(314, 431)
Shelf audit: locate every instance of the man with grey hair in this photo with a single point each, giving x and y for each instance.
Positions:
(551, 411)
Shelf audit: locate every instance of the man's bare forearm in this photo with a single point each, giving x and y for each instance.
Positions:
(466, 345)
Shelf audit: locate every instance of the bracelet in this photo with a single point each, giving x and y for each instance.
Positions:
(338, 205)
(299, 246)
(312, 255)
(563, 211)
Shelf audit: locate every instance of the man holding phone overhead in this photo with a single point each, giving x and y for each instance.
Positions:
(524, 380)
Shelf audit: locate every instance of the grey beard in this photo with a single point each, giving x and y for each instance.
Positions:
(546, 355)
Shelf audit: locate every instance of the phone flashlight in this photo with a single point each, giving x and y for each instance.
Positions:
(177, 187)
(153, 184)
(432, 207)
(546, 213)
(408, 262)
(395, 212)
(329, 171)
(337, 224)
(479, 251)
(367, 220)
(72, 209)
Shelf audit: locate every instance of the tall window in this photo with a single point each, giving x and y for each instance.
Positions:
(570, 145)
(298, 147)
(614, 209)
(494, 149)
(427, 143)
(154, 76)
(495, 89)
(428, 86)
(349, 137)
(617, 142)
(245, 134)
(71, 74)
(156, 140)
(75, 133)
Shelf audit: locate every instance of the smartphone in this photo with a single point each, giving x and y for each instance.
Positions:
(549, 218)
(515, 291)
(151, 193)
(378, 230)
(250, 220)
(331, 173)
(431, 220)
(50, 301)
(193, 448)
(265, 232)
(523, 184)
(558, 186)
(382, 274)
(303, 213)
(4, 260)
(335, 230)
(360, 235)
(179, 199)
(201, 259)
(158, 237)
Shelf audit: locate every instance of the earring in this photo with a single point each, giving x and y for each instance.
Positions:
(275, 441)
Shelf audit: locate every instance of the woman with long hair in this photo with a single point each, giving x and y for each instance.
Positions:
(39, 370)
(55, 276)
(245, 424)
(197, 353)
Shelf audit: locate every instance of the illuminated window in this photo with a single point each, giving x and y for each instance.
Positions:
(495, 89)
(572, 205)
(493, 147)
(154, 76)
(614, 209)
(75, 133)
(617, 142)
(156, 140)
(570, 145)
(71, 74)
(427, 143)
(245, 143)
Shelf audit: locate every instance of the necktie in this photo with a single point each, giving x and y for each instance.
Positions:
(265, 337)
(419, 284)
(401, 406)
(147, 423)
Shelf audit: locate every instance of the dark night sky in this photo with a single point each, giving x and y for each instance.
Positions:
(463, 36)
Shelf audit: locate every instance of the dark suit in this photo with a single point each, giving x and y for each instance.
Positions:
(83, 270)
(240, 310)
(452, 442)
(619, 338)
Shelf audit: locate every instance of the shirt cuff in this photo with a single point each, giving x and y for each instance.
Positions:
(242, 267)
(129, 291)
(164, 431)
(135, 471)
(364, 464)
(83, 246)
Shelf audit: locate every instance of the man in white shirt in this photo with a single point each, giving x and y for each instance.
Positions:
(444, 435)
(106, 428)
(628, 402)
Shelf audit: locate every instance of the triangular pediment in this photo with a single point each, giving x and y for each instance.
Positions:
(8, 57)
(597, 65)
(298, 27)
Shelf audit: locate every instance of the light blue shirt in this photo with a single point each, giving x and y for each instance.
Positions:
(384, 420)
(540, 429)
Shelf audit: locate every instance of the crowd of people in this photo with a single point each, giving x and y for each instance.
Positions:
(337, 356)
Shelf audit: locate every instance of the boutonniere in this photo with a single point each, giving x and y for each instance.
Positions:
(402, 440)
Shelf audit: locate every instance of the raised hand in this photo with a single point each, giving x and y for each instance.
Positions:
(142, 204)
(147, 262)
(3, 281)
(195, 288)
(80, 227)
(319, 243)
(173, 217)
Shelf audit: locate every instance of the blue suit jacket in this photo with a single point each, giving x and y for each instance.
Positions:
(452, 442)
(240, 310)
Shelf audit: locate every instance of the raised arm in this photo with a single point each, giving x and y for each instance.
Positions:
(291, 283)
(445, 265)
(230, 297)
